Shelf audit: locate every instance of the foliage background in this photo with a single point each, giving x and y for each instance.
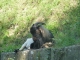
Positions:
(62, 17)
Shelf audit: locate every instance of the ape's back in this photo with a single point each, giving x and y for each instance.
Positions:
(46, 34)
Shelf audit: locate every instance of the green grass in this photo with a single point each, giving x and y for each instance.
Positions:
(62, 17)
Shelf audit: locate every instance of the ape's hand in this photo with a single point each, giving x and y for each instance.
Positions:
(16, 50)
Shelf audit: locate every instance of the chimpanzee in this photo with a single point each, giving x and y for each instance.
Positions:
(42, 34)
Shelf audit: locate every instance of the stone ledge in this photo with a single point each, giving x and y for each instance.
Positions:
(66, 53)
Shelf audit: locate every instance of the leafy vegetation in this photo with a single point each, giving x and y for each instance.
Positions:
(62, 17)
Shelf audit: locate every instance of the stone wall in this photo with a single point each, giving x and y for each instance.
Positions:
(66, 53)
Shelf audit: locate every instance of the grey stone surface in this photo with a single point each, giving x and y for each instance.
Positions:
(66, 53)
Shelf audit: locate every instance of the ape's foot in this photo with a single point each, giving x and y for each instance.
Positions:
(47, 45)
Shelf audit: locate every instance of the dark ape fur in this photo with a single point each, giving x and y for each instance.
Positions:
(16, 50)
(46, 34)
(42, 34)
(37, 43)
(34, 30)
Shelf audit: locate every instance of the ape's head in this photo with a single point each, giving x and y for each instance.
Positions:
(35, 28)
(38, 24)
